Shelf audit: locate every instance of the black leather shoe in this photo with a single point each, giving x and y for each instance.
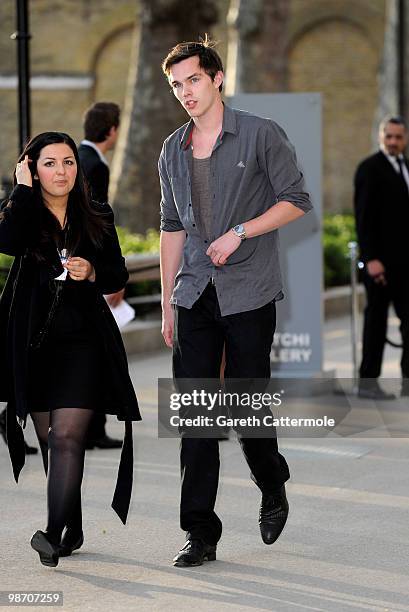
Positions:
(70, 542)
(104, 442)
(374, 392)
(273, 515)
(193, 553)
(49, 553)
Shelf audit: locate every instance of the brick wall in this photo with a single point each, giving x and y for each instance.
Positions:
(334, 47)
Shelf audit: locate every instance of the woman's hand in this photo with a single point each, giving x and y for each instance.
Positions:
(23, 174)
(80, 269)
(114, 299)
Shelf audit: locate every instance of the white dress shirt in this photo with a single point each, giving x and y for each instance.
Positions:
(393, 160)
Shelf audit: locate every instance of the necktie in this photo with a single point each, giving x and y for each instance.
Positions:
(400, 164)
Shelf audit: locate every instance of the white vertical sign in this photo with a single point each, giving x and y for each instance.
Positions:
(297, 349)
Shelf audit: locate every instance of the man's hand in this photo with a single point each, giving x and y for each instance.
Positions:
(114, 299)
(168, 323)
(221, 249)
(23, 174)
(80, 269)
(376, 270)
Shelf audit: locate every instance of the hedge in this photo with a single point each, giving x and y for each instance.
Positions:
(337, 231)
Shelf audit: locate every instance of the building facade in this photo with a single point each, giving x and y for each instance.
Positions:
(81, 50)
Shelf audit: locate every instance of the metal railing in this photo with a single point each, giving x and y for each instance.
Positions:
(142, 267)
(354, 266)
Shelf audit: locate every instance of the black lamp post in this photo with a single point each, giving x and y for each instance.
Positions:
(22, 36)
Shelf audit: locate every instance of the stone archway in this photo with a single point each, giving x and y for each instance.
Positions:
(111, 65)
(336, 58)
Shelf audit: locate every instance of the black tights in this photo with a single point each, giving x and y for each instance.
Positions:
(62, 436)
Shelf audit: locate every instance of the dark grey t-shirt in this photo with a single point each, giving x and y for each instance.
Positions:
(201, 200)
(252, 167)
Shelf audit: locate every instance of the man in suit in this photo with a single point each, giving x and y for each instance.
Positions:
(101, 124)
(382, 221)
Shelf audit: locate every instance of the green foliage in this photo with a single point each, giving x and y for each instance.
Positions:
(146, 287)
(5, 260)
(130, 243)
(136, 243)
(5, 263)
(139, 288)
(338, 230)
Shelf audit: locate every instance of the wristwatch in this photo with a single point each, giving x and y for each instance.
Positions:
(239, 231)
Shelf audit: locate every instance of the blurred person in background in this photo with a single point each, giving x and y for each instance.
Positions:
(101, 125)
(382, 220)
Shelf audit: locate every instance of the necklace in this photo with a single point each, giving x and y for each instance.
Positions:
(63, 253)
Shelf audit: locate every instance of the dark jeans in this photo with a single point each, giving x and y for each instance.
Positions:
(376, 318)
(200, 334)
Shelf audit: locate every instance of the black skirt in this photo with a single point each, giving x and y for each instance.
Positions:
(65, 371)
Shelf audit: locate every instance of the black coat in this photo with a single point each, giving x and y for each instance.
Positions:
(96, 172)
(382, 212)
(19, 316)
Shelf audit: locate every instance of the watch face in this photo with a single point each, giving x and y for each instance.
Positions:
(239, 231)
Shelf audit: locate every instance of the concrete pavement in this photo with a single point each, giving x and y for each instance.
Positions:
(345, 547)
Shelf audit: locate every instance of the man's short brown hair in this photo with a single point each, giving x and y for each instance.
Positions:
(209, 59)
(98, 120)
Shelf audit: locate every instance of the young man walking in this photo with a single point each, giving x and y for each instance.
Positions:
(229, 179)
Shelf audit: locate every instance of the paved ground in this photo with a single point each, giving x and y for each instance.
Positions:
(345, 548)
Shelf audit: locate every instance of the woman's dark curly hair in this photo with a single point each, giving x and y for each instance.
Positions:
(83, 219)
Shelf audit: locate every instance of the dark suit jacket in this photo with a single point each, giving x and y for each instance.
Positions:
(382, 212)
(96, 173)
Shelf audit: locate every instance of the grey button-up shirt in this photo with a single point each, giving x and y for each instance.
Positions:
(252, 167)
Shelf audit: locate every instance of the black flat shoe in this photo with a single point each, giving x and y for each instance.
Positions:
(273, 515)
(49, 553)
(193, 553)
(69, 543)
